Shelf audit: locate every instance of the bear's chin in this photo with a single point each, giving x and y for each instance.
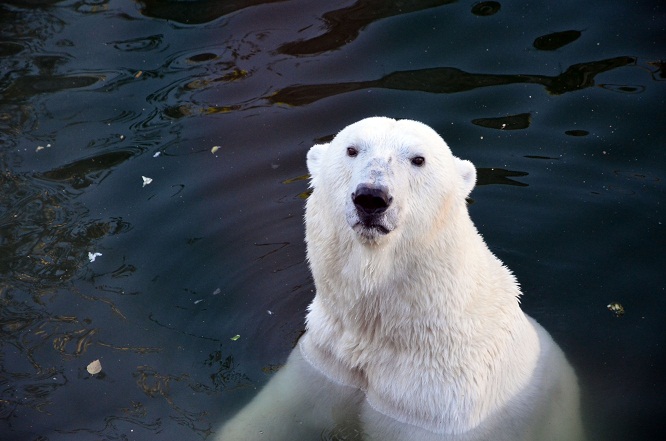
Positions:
(370, 234)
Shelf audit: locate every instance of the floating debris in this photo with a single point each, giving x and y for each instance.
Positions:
(146, 180)
(296, 179)
(271, 368)
(616, 308)
(556, 40)
(156, 154)
(94, 368)
(235, 337)
(217, 291)
(93, 256)
(233, 75)
(197, 84)
(138, 74)
(196, 302)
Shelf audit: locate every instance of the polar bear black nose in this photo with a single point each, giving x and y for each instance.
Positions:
(371, 200)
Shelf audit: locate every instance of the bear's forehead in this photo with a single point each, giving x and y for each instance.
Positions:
(384, 135)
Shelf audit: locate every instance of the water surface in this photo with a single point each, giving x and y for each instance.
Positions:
(201, 287)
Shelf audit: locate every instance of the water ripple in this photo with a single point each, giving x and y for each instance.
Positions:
(556, 40)
(345, 24)
(452, 80)
(142, 44)
(26, 86)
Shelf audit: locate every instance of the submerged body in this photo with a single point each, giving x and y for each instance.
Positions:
(415, 331)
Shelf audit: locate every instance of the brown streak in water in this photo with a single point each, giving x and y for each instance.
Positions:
(138, 350)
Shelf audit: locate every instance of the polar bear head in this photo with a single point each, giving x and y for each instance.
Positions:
(384, 178)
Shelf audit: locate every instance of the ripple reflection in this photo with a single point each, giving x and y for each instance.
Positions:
(453, 80)
(344, 25)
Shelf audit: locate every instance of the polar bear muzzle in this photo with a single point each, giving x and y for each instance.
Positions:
(371, 203)
(370, 200)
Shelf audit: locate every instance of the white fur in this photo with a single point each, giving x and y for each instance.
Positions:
(415, 330)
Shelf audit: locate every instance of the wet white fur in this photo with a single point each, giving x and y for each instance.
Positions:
(416, 334)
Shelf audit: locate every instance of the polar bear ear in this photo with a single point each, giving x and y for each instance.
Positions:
(467, 172)
(314, 159)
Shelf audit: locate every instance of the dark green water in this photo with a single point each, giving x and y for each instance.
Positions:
(559, 104)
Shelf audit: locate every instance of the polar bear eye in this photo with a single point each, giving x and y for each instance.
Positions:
(418, 161)
(352, 152)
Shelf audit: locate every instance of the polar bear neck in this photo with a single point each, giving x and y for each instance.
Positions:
(451, 269)
(428, 323)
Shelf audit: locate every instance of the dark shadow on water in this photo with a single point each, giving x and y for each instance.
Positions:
(453, 80)
(32, 3)
(82, 173)
(442, 80)
(196, 12)
(484, 9)
(499, 176)
(7, 48)
(27, 86)
(659, 70)
(556, 40)
(344, 25)
(511, 122)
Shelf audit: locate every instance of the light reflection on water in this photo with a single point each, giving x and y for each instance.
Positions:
(94, 95)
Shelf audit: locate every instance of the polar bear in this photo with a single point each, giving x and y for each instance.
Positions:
(415, 331)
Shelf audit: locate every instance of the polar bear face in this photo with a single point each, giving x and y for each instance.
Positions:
(387, 178)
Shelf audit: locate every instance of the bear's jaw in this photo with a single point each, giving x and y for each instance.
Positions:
(372, 229)
(370, 233)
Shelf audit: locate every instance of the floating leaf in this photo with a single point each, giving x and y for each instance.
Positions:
(235, 337)
(94, 368)
(215, 149)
